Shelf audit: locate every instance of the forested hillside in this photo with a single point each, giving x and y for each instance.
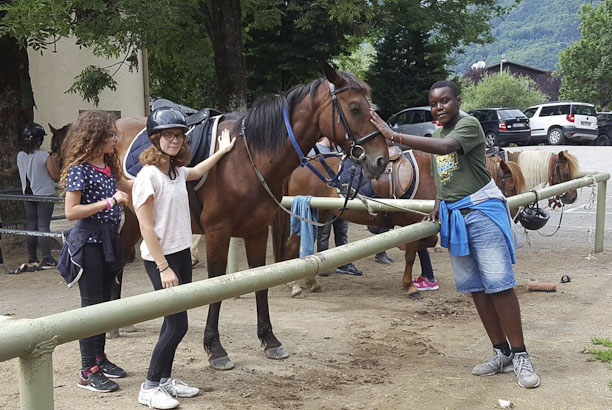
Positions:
(533, 34)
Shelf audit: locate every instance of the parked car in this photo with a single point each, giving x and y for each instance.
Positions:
(503, 126)
(415, 121)
(604, 124)
(557, 121)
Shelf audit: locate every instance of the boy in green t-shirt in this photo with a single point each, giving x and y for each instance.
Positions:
(475, 226)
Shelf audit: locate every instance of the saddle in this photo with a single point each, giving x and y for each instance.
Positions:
(397, 178)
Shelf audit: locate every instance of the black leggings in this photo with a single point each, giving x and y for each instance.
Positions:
(95, 287)
(175, 326)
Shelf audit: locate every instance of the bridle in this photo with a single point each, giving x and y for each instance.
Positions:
(356, 144)
(332, 180)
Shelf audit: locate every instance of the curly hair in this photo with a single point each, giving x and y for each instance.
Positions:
(154, 156)
(85, 139)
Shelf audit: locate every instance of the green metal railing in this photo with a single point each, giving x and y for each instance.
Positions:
(33, 340)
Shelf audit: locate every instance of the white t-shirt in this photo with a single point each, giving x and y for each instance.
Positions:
(172, 222)
(34, 166)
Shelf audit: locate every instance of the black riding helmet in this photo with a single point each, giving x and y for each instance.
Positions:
(161, 119)
(532, 217)
(33, 130)
(164, 118)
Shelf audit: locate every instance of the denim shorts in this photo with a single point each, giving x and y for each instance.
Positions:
(488, 267)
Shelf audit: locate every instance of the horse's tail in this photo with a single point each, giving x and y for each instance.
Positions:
(280, 232)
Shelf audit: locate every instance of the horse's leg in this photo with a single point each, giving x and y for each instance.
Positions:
(256, 255)
(217, 245)
(292, 252)
(130, 234)
(410, 256)
(195, 252)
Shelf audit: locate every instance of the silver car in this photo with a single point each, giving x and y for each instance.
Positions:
(414, 121)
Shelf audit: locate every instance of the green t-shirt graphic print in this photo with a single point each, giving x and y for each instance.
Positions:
(463, 172)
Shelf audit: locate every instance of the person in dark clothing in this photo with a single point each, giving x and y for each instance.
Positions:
(91, 254)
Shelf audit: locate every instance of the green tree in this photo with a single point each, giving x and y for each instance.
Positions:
(585, 65)
(413, 43)
(500, 90)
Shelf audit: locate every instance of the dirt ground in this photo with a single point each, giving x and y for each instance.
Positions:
(362, 344)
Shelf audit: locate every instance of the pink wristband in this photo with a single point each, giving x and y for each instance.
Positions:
(108, 203)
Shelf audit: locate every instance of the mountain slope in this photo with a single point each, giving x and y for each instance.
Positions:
(533, 34)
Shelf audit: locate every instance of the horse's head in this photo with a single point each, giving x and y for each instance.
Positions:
(57, 139)
(565, 167)
(507, 176)
(347, 122)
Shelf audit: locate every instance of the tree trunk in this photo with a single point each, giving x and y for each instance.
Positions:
(15, 112)
(222, 20)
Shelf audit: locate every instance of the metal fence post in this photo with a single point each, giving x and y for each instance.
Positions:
(600, 217)
(36, 377)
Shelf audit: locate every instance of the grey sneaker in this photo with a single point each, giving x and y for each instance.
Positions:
(498, 363)
(525, 373)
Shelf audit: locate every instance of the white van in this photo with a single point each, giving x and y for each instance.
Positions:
(557, 121)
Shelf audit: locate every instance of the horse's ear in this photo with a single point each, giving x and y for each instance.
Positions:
(330, 73)
(562, 155)
(52, 128)
(504, 167)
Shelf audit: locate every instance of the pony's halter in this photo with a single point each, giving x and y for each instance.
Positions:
(356, 144)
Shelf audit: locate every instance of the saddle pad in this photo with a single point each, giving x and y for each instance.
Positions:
(365, 187)
(201, 146)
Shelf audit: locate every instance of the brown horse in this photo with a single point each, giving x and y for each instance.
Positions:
(542, 168)
(507, 176)
(235, 202)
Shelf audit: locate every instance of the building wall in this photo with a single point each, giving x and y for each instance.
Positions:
(53, 73)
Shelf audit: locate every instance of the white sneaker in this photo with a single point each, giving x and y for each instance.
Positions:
(179, 388)
(156, 398)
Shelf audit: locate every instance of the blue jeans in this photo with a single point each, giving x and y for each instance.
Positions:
(39, 215)
(488, 267)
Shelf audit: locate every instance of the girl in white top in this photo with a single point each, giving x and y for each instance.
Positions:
(38, 170)
(162, 206)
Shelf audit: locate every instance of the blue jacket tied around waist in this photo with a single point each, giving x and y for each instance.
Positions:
(490, 200)
(71, 258)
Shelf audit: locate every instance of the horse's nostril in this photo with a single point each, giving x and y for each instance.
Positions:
(380, 162)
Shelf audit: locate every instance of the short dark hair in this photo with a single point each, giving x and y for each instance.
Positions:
(446, 83)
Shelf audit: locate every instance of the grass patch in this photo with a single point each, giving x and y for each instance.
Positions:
(603, 355)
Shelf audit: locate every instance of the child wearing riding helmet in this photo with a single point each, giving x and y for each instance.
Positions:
(37, 171)
(162, 207)
(91, 255)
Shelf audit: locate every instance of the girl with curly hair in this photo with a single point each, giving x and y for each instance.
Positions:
(162, 207)
(91, 254)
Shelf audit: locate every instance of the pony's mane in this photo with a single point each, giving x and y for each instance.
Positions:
(573, 164)
(517, 176)
(265, 127)
(535, 166)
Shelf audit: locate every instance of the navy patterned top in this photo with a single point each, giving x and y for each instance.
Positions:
(95, 186)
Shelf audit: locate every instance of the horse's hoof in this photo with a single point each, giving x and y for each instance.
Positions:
(277, 353)
(221, 363)
(112, 334)
(296, 291)
(129, 329)
(316, 288)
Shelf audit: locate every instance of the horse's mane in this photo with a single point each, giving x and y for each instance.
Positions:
(517, 176)
(573, 164)
(265, 127)
(535, 166)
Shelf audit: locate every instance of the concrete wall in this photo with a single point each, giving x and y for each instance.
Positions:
(53, 73)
